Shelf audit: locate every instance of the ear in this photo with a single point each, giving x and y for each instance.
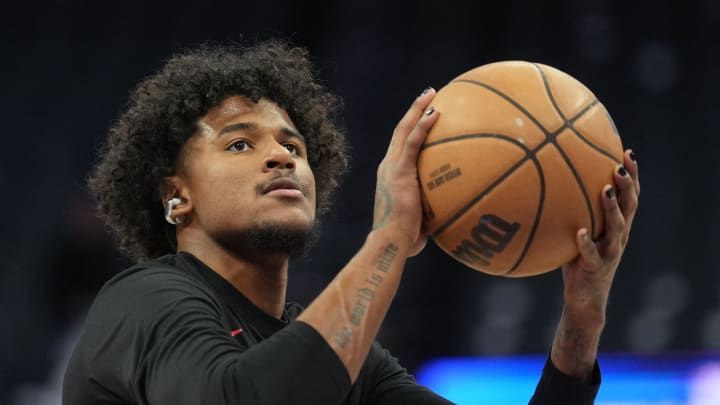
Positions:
(176, 187)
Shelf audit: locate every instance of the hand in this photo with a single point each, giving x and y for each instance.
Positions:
(397, 195)
(588, 278)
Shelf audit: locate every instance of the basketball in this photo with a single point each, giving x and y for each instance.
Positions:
(514, 166)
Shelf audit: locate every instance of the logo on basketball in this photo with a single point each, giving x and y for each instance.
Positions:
(442, 175)
(490, 237)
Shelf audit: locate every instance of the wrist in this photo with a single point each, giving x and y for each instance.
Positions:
(575, 345)
(389, 235)
(585, 306)
(590, 318)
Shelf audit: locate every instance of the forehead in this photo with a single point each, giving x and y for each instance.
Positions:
(240, 108)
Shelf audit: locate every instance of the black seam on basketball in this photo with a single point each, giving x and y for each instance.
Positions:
(568, 124)
(508, 99)
(538, 214)
(584, 110)
(592, 145)
(531, 236)
(549, 93)
(478, 135)
(587, 141)
(529, 154)
(578, 180)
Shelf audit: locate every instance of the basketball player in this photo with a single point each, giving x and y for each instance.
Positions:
(212, 179)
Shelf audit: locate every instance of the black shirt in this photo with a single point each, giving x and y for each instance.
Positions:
(172, 331)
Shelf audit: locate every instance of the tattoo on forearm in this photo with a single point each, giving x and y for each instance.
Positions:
(343, 337)
(366, 294)
(387, 257)
(382, 198)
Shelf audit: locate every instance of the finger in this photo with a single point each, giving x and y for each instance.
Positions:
(627, 197)
(615, 234)
(632, 167)
(416, 138)
(419, 245)
(588, 251)
(409, 120)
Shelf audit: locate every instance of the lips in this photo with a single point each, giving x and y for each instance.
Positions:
(282, 184)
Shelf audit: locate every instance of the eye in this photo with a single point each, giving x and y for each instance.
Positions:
(239, 146)
(294, 149)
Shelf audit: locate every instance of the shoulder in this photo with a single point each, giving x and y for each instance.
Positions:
(164, 273)
(147, 303)
(150, 275)
(139, 310)
(151, 288)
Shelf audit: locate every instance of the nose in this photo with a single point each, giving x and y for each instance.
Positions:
(279, 158)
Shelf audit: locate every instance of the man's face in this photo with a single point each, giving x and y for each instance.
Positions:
(246, 170)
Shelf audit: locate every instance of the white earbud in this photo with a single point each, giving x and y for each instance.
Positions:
(171, 204)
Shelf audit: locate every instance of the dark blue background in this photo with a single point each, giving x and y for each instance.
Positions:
(68, 67)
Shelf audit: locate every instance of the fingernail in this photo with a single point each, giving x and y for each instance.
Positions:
(426, 91)
(621, 171)
(632, 156)
(430, 111)
(610, 193)
(585, 237)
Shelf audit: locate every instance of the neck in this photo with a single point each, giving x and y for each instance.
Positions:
(261, 278)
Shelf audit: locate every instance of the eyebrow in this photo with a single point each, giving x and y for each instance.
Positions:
(249, 126)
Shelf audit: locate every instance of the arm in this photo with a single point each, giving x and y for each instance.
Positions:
(588, 278)
(158, 337)
(348, 313)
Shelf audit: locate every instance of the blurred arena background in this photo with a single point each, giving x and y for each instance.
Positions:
(68, 66)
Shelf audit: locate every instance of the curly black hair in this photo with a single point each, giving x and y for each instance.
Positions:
(144, 144)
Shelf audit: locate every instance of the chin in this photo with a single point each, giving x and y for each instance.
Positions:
(293, 238)
(287, 218)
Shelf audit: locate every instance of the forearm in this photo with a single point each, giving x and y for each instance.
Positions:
(349, 312)
(575, 345)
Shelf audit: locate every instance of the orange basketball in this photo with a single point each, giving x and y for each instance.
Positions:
(515, 166)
